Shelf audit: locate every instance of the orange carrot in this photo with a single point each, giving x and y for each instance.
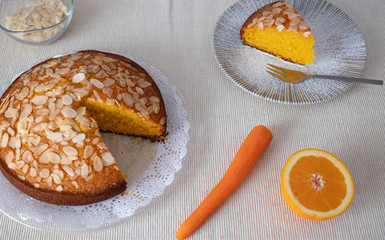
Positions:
(249, 153)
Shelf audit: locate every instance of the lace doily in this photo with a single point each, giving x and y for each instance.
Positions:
(148, 168)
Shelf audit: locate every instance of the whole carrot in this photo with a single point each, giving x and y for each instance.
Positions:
(249, 153)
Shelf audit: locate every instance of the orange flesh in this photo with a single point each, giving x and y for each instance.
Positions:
(329, 196)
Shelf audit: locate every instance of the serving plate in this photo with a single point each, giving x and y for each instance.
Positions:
(148, 168)
(339, 49)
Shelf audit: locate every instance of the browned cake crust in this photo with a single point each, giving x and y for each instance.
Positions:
(55, 168)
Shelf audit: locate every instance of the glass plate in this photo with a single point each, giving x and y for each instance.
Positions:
(148, 168)
(339, 49)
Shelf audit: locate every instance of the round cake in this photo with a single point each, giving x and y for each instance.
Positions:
(50, 122)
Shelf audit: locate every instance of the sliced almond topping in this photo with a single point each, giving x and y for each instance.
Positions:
(88, 151)
(108, 82)
(44, 173)
(25, 168)
(79, 138)
(32, 172)
(69, 112)
(69, 170)
(39, 99)
(41, 149)
(36, 185)
(55, 136)
(144, 84)
(67, 100)
(108, 159)
(12, 165)
(43, 111)
(56, 178)
(98, 164)
(75, 184)
(77, 78)
(11, 112)
(70, 151)
(19, 164)
(128, 99)
(81, 111)
(4, 140)
(26, 111)
(59, 188)
(84, 170)
(97, 83)
(27, 156)
(53, 157)
(9, 158)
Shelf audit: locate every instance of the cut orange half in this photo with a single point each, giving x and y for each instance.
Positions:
(316, 184)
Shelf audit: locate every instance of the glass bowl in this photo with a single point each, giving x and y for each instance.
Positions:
(43, 35)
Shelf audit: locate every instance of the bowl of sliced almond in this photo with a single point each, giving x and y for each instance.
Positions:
(35, 22)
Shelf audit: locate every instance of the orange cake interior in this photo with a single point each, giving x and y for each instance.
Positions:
(278, 29)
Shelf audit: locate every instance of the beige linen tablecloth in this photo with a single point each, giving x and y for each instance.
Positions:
(175, 37)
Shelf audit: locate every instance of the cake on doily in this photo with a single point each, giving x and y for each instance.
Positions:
(278, 29)
(50, 118)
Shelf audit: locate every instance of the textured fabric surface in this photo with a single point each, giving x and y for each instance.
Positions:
(175, 37)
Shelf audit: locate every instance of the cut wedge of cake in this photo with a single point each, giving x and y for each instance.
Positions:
(50, 118)
(278, 29)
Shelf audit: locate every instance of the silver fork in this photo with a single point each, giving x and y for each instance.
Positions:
(292, 76)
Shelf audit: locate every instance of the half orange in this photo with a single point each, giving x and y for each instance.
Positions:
(316, 184)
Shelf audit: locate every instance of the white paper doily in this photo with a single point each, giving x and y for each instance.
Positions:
(148, 167)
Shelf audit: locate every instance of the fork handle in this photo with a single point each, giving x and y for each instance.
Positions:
(351, 79)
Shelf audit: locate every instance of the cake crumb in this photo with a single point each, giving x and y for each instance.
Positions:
(130, 193)
(125, 176)
(137, 140)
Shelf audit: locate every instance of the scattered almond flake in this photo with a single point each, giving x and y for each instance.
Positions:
(88, 151)
(44, 173)
(41, 149)
(108, 82)
(75, 184)
(79, 138)
(128, 99)
(32, 172)
(59, 188)
(11, 112)
(77, 78)
(11, 131)
(69, 170)
(81, 111)
(56, 178)
(9, 158)
(43, 111)
(69, 112)
(98, 164)
(144, 84)
(12, 165)
(53, 157)
(67, 100)
(27, 156)
(84, 170)
(4, 140)
(25, 168)
(280, 28)
(108, 159)
(97, 83)
(39, 99)
(70, 151)
(96, 94)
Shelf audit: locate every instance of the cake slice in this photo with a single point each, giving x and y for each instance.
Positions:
(50, 122)
(278, 29)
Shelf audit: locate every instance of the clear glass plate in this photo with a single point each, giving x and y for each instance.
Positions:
(148, 167)
(339, 49)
